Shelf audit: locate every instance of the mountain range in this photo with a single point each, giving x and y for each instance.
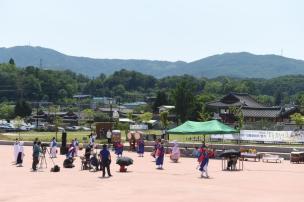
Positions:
(242, 65)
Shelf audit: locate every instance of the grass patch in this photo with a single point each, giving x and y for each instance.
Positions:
(80, 135)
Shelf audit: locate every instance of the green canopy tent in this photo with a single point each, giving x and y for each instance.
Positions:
(207, 127)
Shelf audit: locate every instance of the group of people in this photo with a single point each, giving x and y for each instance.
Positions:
(91, 160)
(159, 153)
(104, 161)
(201, 154)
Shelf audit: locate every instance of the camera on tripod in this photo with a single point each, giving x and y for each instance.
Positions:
(44, 147)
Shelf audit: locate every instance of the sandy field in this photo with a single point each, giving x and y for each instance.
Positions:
(177, 182)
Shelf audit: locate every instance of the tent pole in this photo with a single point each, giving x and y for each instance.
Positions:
(223, 141)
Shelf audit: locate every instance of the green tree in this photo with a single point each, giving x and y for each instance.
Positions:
(89, 116)
(298, 119)
(11, 61)
(57, 120)
(300, 99)
(278, 96)
(145, 117)
(6, 111)
(101, 117)
(18, 123)
(184, 101)
(130, 115)
(213, 87)
(23, 109)
(161, 99)
(265, 99)
(239, 116)
(202, 113)
(164, 119)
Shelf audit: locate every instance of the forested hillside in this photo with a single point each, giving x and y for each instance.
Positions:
(240, 65)
(34, 84)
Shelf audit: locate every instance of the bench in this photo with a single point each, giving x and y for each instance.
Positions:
(246, 155)
(272, 158)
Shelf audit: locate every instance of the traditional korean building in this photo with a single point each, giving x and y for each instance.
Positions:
(251, 109)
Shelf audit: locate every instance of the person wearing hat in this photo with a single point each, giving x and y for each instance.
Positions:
(105, 159)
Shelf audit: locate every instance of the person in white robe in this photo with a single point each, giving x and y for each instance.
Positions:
(53, 146)
(175, 154)
(20, 154)
(16, 150)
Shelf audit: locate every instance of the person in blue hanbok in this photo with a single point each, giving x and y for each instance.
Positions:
(119, 149)
(76, 145)
(159, 155)
(68, 162)
(141, 147)
(53, 146)
(203, 163)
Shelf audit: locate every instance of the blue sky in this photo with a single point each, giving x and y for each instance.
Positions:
(155, 29)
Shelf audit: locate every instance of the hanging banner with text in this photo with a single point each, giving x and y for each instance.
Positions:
(139, 127)
(264, 136)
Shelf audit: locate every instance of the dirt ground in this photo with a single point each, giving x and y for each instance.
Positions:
(177, 182)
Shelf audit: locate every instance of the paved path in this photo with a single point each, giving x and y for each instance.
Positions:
(277, 182)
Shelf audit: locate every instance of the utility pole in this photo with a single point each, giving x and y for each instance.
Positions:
(111, 112)
(40, 63)
(37, 106)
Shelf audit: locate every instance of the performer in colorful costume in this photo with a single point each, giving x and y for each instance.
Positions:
(141, 147)
(156, 145)
(119, 149)
(203, 162)
(159, 155)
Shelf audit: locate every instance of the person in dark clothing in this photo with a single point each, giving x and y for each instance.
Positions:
(105, 159)
(232, 160)
(36, 154)
(35, 142)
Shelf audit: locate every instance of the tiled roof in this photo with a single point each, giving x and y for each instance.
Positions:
(262, 112)
(247, 100)
(236, 99)
(221, 104)
(267, 112)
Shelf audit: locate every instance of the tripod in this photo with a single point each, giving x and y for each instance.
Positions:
(43, 159)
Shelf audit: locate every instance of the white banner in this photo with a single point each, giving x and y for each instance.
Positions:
(139, 127)
(264, 136)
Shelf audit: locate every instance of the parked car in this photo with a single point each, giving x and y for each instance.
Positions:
(73, 128)
(85, 128)
(7, 127)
